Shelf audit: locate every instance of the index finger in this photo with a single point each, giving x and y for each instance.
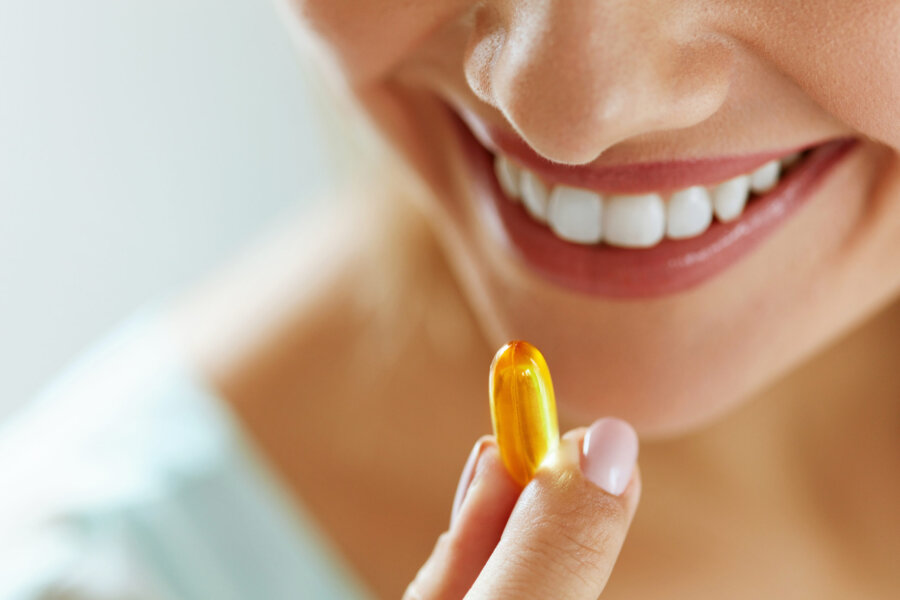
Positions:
(565, 532)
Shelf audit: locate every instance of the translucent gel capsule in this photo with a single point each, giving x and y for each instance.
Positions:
(523, 409)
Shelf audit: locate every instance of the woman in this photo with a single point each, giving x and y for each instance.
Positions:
(691, 208)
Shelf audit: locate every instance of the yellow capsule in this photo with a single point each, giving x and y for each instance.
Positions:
(523, 409)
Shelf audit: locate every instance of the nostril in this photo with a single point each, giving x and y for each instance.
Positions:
(564, 133)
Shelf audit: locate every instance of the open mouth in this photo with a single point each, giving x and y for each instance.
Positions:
(645, 229)
(585, 216)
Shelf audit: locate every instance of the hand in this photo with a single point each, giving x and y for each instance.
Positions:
(558, 538)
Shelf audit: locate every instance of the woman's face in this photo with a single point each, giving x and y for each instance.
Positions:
(624, 125)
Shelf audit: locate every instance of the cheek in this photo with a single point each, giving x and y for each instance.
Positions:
(845, 54)
(369, 38)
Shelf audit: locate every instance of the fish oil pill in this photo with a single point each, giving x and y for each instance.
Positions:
(523, 409)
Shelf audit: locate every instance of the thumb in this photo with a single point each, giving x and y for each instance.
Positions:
(565, 532)
(484, 500)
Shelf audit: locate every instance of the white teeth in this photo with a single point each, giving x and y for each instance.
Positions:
(764, 178)
(507, 176)
(730, 197)
(575, 215)
(689, 213)
(637, 221)
(634, 221)
(534, 195)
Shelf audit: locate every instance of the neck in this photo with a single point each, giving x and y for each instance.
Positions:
(832, 419)
(806, 469)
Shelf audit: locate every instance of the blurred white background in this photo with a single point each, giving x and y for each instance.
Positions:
(141, 143)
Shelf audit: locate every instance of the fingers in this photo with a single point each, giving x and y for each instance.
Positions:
(564, 535)
(484, 501)
(559, 539)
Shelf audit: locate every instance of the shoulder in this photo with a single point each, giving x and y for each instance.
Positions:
(132, 479)
(115, 404)
(109, 437)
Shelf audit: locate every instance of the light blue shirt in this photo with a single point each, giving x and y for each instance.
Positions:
(128, 479)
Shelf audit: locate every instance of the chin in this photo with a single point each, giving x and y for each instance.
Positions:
(667, 372)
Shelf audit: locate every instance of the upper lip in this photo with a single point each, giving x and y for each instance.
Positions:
(632, 178)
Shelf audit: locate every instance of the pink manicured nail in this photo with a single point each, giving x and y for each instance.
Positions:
(465, 480)
(609, 454)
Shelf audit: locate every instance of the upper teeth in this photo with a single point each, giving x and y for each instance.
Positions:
(633, 221)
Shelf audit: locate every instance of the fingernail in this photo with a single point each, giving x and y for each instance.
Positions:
(609, 454)
(465, 481)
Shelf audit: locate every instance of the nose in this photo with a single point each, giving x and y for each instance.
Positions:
(575, 77)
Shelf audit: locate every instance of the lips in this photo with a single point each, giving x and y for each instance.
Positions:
(670, 265)
(638, 178)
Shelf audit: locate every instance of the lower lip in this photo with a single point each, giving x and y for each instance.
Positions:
(671, 266)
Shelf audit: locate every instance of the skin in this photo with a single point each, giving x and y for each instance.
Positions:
(704, 84)
(796, 478)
